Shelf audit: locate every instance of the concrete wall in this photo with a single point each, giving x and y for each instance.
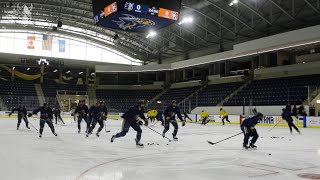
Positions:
(288, 71)
(155, 85)
(216, 79)
(235, 110)
(186, 84)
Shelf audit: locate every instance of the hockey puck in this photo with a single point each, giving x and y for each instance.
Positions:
(269, 154)
(167, 144)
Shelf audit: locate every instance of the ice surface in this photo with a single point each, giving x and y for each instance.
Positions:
(73, 156)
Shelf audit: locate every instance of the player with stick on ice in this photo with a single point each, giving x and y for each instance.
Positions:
(131, 119)
(249, 130)
(170, 117)
(22, 114)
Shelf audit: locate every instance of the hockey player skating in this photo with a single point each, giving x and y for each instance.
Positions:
(152, 115)
(131, 119)
(82, 111)
(170, 117)
(160, 117)
(46, 116)
(22, 114)
(204, 116)
(225, 116)
(99, 114)
(286, 115)
(249, 130)
(57, 115)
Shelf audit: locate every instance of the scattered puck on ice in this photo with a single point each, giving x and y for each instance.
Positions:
(157, 144)
(269, 154)
(167, 144)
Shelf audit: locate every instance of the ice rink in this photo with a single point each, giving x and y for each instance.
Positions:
(280, 155)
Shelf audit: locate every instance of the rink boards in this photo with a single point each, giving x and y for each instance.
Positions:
(301, 121)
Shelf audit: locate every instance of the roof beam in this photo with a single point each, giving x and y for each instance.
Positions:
(254, 11)
(283, 10)
(314, 8)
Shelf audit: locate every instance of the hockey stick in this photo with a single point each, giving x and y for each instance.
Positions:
(158, 133)
(213, 143)
(274, 125)
(33, 127)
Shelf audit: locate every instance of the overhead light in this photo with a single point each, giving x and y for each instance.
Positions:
(80, 72)
(28, 69)
(92, 74)
(68, 72)
(151, 34)
(55, 70)
(186, 20)
(13, 67)
(233, 2)
(3, 27)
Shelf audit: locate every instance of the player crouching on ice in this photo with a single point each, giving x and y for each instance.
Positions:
(204, 116)
(131, 119)
(22, 114)
(249, 130)
(46, 116)
(170, 117)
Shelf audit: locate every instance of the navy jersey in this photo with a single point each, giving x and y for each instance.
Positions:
(250, 122)
(133, 113)
(160, 116)
(56, 111)
(172, 112)
(253, 121)
(82, 110)
(98, 111)
(91, 110)
(21, 111)
(45, 113)
(286, 115)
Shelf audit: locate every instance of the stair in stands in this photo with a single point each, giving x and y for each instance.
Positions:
(40, 94)
(232, 94)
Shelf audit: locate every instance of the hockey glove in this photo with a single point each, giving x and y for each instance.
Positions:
(10, 114)
(146, 123)
(30, 114)
(140, 122)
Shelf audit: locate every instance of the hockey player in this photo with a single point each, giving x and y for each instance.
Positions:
(22, 114)
(170, 117)
(57, 115)
(152, 115)
(82, 111)
(225, 116)
(46, 116)
(99, 114)
(286, 115)
(91, 110)
(248, 129)
(131, 119)
(186, 116)
(204, 116)
(160, 117)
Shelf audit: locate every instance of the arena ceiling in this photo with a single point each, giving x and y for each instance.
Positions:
(216, 25)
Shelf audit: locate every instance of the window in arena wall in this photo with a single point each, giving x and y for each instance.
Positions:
(17, 43)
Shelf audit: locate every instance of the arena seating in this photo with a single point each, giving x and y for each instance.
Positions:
(213, 94)
(50, 89)
(19, 93)
(277, 91)
(177, 94)
(121, 100)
